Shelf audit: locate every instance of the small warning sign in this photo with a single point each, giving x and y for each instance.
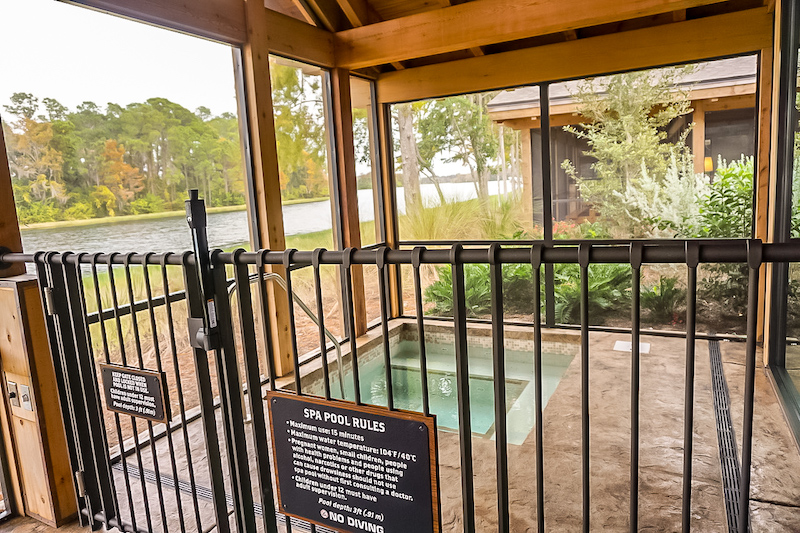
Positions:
(135, 392)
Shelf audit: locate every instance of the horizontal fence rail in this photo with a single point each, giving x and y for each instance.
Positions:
(664, 252)
(231, 372)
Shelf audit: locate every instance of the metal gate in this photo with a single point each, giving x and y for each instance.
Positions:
(208, 468)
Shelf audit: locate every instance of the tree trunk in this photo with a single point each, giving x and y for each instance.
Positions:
(410, 158)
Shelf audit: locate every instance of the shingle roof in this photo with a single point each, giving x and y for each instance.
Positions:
(710, 74)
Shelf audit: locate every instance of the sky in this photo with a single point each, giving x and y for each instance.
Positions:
(74, 54)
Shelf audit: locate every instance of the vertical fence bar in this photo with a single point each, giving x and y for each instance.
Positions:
(323, 342)
(380, 263)
(499, 371)
(536, 271)
(105, 479)
(416, 261)
(179, 387)
(195, 306)
(253, 379)
(160, 368)
(547, 200)
(231, 400)
(84, 365)
(754, 258)
(584, 253)
(123, 355)
(265, 314)
(692, 260)
(636, 282)
(138, 343)
(462, 384)
(347, 263)
(287, 265)
(104, 338)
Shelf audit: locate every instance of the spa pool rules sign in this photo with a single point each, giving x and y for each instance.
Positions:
(354, 468)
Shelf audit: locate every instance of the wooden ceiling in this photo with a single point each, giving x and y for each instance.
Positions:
(345, 15)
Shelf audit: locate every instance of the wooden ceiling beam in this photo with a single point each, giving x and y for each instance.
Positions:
(693, 40)
(292, 38)
(484, 22)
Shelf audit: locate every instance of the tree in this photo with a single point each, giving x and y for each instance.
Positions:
(300, 132)
(626, 117)
(138, 158)
(32, 158)
(409, 158)
(123, 180)
(460, 126)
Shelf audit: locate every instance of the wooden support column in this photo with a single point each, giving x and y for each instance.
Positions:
(772, 161)
(699, 136)
(38, 448)
(9, 226)
(761, 187)
(348, 189)
(389, 203)
(266, 177)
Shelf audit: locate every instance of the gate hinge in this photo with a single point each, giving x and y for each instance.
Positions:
(79, 484)
(49, 301)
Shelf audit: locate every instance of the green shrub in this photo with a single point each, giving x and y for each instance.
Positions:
(663, 300)
(149, 203)
(727, 212)
(33, 212)
(478, 291)
(79, 211)
(609, 290)
(609, 287)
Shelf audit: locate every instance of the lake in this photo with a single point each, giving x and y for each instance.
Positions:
(225, 230)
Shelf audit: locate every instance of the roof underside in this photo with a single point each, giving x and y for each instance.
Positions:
(340, 15)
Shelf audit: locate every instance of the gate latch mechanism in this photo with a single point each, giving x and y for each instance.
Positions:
(199, 336)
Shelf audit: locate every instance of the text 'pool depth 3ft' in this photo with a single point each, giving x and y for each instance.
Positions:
(354, 468)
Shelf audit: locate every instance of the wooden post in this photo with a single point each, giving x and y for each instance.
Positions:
(389, 203)
(266, 177)
(772, 161)
(39, 445)
(699, 136)
(9, 226)
(761, 185)
(348, 189)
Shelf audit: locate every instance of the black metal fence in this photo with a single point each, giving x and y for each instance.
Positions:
(209, 466)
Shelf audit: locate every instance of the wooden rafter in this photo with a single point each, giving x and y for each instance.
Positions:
(693, 40)
(323, 13)
(485, 22)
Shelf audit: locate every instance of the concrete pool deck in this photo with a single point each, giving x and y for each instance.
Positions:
(775, 495)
